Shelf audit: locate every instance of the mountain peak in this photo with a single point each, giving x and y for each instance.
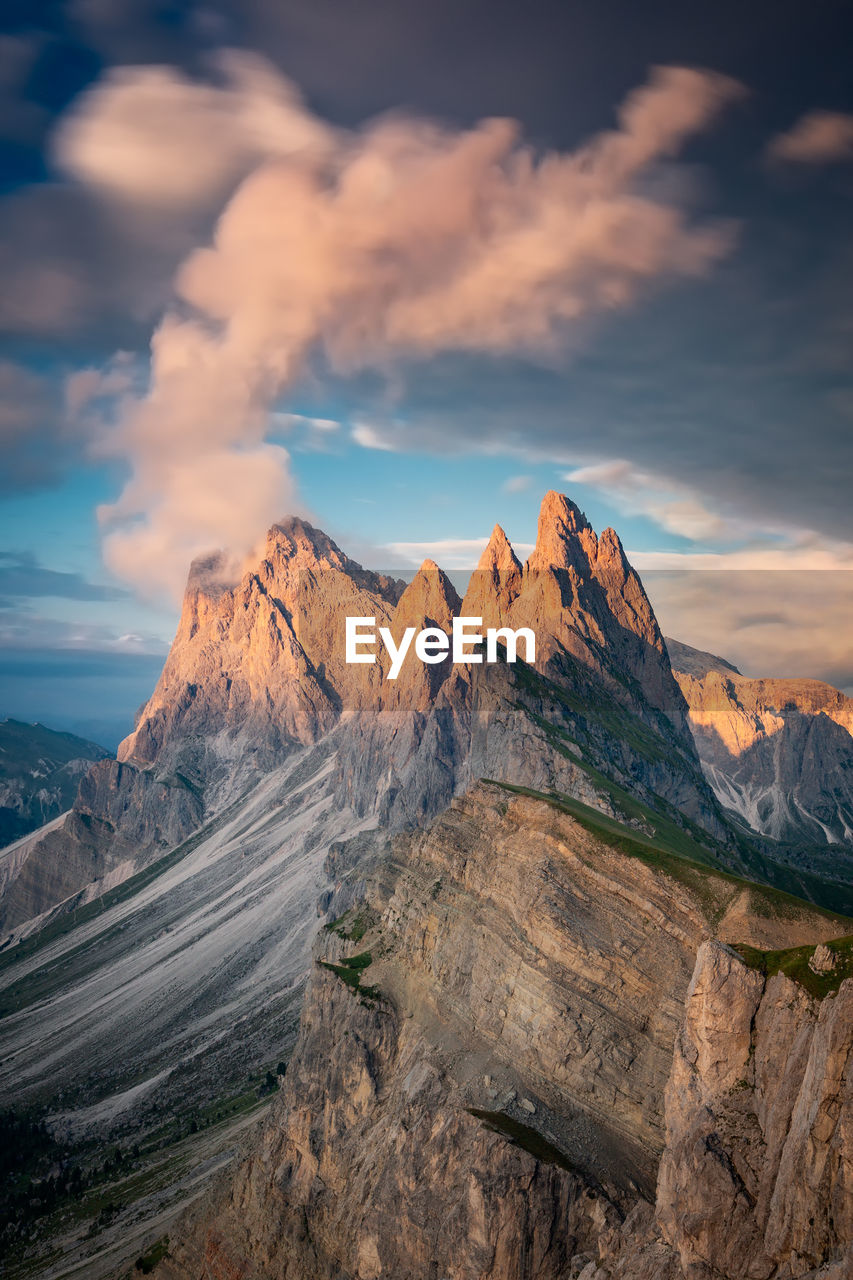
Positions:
(429, 597)
(297, 540)
(498, 555)
(495, 582)
(561, 524)
(610, 549)
(558, 509)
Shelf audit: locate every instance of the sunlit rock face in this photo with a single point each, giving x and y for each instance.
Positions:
(778, 752)
(264, 661)
(260, 665)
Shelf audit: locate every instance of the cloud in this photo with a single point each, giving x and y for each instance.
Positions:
(34, 444)
(151, 136)
(365, 251)
(291, 421)
(79, 267)
(21, 576)
(819, 137)
(449, 553)
(369, 438)
(762, 621)
(670, 504)
(517, 484)
(91, 386)
(798, 554)
(146, 158)
(22, 121)
(184, 500)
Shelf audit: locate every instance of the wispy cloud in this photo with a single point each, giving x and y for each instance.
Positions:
(371, 438)
(673, 506)
(819, 137)
(23, 577)
(449, 553)
(517, 484)
(293, 421)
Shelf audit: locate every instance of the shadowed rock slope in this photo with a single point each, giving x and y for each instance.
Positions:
(484, 1083)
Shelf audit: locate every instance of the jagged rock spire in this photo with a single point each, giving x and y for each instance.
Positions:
(562, 532)
(429, 598)
(495, 582)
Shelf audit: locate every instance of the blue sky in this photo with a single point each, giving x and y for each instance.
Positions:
(368, 305)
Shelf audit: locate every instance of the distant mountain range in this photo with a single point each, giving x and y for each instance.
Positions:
(40, 771)
(778, 753)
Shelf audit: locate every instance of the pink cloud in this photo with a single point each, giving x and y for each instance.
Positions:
(819, 137)
(388, 244)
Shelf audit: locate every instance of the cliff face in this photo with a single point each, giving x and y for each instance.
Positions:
(778, 752)
(480, 1083)
(259, 668)
(756, 1177)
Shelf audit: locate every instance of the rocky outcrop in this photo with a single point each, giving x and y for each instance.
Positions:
(480, 1084)
(777, 752)
(580, 596)
(259, 668)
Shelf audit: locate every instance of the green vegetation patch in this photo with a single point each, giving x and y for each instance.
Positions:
(350, 972)
(148, 1261)
(602, 710)
(586, 717)
(794, 963)
(352, 925)
(521, 1135)
(664, 855)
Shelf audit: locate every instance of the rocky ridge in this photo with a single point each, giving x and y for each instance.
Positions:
(489, 1031)
(505, 1068)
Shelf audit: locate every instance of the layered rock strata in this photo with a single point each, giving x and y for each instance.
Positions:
(484, 1083)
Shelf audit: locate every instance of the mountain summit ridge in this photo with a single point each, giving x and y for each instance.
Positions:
(257, 672)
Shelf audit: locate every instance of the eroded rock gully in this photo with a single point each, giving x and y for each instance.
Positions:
(525, 1081)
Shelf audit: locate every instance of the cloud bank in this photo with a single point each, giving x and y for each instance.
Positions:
(359, 250)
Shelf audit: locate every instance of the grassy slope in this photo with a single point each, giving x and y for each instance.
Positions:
(713, 885)
(575, 739)
(794, 963)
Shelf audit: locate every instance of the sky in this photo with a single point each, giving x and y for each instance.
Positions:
(401, 268)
